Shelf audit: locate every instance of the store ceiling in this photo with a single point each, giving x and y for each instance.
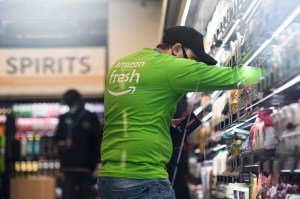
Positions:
(53, 24)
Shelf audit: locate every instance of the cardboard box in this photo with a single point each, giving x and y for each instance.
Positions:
(33, 187)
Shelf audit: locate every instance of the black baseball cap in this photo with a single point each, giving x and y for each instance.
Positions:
(189, 38)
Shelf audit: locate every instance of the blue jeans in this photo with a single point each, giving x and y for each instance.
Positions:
(126, 188)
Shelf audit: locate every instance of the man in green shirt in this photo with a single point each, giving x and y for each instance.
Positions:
(140, 99)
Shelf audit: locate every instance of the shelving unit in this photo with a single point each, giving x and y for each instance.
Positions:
(248, 34)
(30, 155)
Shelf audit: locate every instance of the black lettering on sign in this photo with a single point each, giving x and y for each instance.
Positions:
(48, 64)
(37, 65)
(25, 63)
(71, 60)
(12, 67)
(60, 65)
(85, 64)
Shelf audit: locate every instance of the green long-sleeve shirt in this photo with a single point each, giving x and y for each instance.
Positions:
(141, 94)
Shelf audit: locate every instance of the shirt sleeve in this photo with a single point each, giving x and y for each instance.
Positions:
(191, 76)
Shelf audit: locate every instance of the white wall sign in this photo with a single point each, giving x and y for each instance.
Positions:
(50, 71)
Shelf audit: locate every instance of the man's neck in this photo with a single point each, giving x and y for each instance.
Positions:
(165, 51)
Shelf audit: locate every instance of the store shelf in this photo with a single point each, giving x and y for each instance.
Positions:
(275, 33)
(242, 12)
(269, 40)
(231, 174)
(284, 89)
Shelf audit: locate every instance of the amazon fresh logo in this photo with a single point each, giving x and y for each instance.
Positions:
(130, 89)
(120, 78)
(124, 77)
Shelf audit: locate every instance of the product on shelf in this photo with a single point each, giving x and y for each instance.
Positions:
(35, 127)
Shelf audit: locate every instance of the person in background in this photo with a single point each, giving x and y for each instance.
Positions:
(141, 93)
(180, 185)
(78, 136)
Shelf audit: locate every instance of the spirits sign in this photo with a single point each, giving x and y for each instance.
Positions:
(52, 70)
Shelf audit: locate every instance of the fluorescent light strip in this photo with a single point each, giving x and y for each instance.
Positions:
(297, 170)
(212, 97)
(267, 42)
(198, 110)
(207, 117)
(276, 33)
(228, 130)
(290, 134)
(287, 22)
(226, 39)
(265, 98)
(288, 84)
(249, 9)
(278, 90)
(252, 12)
(254, 165)
(231, 31)
(286, 170)
(214, 94)
(185, 12)
(219, 147)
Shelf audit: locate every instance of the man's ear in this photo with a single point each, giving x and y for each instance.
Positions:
(177, 49)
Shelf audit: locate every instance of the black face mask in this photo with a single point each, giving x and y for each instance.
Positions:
(184, 53)
(186, 57)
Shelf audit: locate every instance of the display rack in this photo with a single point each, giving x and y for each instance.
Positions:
(30, 152)
(35, 128)
(246, 33)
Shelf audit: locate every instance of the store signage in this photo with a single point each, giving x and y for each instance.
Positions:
(47, 65)
(62, 68)
(49, 62)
